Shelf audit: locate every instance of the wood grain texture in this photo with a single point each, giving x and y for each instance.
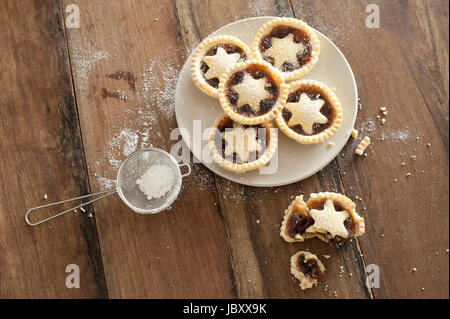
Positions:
(220, 239)
(253, 215)
(179, 253)
(41, 153)
(403, 65)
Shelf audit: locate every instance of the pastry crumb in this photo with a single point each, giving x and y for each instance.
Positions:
(365, 142)
(258, 221)
(383, 121)
(330, 144)
(326, 256)
(408, 174)
(45, 196)
(414, 269)
(355, 133)
(82, 209)
(383, 109)
(428, 144)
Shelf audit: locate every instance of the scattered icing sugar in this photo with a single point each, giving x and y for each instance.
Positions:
(106, 183)
(85, 59)
(157, 181)
(258, 8)
(128, 139)
(400, 135)
(160, 94)
(340, 31)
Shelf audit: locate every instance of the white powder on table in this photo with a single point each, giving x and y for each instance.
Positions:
(156, 181)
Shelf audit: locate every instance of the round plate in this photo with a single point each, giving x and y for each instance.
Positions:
(295, 161)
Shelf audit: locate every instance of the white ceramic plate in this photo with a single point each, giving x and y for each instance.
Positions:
(295, 161)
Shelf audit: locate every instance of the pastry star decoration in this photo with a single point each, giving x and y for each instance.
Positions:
(329, 220)
(241, 141)
(219, 63)
(306, 112)
(284, 50)
(252, 92)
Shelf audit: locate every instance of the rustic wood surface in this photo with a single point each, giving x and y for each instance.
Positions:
(74, 101)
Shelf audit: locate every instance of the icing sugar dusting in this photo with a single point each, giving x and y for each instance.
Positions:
(258, 8)
(160, 93)
(128, 139)
(85, 59)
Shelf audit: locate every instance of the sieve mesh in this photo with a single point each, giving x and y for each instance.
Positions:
(134, 167)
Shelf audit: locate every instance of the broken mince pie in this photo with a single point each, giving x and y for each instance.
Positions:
(252, 92)
(213, 57)
(312, 113)
(307, 268)
(288, 44)
(241, 148)
(329, 216)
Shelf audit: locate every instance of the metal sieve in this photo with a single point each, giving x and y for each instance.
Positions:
(131, 169)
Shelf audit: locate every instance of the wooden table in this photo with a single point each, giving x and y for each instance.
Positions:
(67, 94)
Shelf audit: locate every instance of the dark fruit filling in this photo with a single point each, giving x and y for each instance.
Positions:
(309, 267)
(338, 240)
(314, 94)
(298, 224)
(229, 48)
(220, 143)
(265, 105)
(299, 37)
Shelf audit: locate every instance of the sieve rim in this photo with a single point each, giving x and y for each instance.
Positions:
(169, 200)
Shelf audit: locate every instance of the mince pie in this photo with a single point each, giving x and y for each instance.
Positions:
(213, 57)
(252, 92)
(307, 268)
(312, 112)
(240, 148)
(289, 44)
(329, 216)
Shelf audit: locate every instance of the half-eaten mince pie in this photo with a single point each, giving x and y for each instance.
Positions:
(240, 148)
(312, 113)
(288, 44)
(252, 92)
(329, 216)
(307, 268)
(213, 57)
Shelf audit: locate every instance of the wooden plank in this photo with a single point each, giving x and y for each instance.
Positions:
(41, 153)
(179, 253)
(253, 215)
(407, 221)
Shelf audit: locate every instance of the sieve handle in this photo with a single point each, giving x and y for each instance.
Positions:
(27, 215)
(189, 169)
